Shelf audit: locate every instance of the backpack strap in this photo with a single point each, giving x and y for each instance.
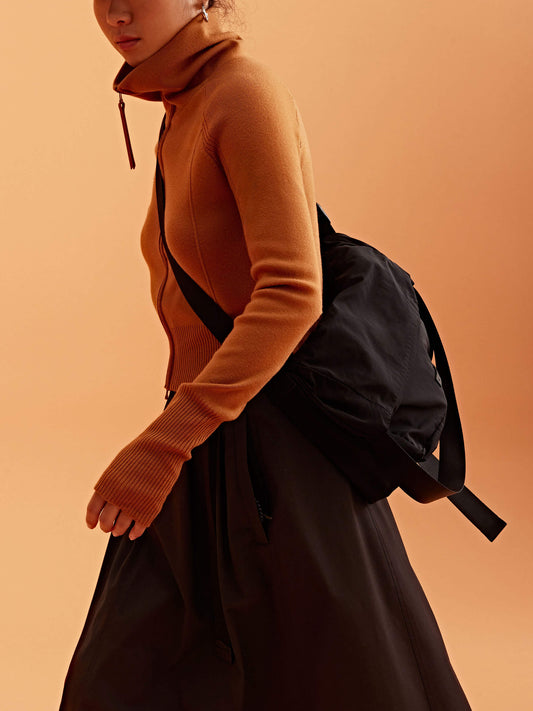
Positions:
(449, 469)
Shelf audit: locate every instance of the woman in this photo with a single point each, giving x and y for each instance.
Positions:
(243, 573)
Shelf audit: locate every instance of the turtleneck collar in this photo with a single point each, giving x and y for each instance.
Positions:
(181, 62)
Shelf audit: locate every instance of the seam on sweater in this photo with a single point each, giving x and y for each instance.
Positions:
(208, 140)
(210, 145)
(214, 156)
(193, 220)
(401, 601)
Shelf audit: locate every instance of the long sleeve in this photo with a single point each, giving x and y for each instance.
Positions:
(252, 129)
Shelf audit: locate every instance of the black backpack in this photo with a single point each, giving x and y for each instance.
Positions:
(363, 385)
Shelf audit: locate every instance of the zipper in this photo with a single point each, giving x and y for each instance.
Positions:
(262, 514)
(261, 496)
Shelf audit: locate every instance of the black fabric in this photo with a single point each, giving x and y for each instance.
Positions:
(217, 607)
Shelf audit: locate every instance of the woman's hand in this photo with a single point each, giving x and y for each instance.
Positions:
(111, 518)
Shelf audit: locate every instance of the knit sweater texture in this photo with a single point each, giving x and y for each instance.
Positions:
(241, 219)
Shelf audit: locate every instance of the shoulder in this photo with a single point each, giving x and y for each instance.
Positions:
(247, 85)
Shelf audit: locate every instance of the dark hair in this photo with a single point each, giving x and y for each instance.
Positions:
(226, 5)
(228, 8)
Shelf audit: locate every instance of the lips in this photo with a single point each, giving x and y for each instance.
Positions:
(126, 41)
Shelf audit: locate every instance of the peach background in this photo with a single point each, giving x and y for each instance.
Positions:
(419, 117)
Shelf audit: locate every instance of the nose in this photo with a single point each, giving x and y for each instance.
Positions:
(119, 13)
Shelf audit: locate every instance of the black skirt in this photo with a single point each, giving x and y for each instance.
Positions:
(264, 584)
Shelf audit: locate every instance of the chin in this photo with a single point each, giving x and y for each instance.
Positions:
(135, 58)
(132, 61)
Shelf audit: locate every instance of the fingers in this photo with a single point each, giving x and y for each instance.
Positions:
(94, 507)
(122, 524)
(137, 531)
(111, 518)
(108, 516)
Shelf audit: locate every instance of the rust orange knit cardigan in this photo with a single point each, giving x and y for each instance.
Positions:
(241, 219)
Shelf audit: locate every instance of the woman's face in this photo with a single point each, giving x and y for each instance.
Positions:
(138, 28)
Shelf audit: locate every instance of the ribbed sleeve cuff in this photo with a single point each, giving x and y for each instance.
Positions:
(142, 475)
(139, 479)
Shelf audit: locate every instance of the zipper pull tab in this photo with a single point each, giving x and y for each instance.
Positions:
(122, 109)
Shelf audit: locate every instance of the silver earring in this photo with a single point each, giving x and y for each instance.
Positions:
(204, 11)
